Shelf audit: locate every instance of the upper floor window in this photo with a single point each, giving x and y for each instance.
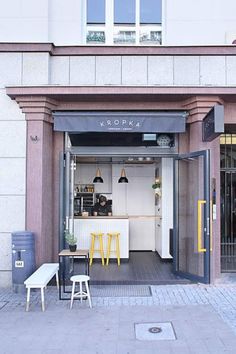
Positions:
(95, 11)
(124, 22)
(124, 11)
(150, 11)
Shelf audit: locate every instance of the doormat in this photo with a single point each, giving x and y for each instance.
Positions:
(2, 304)
(154, 331)
(120, 290)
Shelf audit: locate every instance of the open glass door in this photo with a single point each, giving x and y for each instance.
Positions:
(192, 216)
(67, 167)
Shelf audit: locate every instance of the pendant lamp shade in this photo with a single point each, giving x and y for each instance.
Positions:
(98, 178)
(123, 178)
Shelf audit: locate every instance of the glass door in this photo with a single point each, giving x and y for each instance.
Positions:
(192, 216)
(67, 167)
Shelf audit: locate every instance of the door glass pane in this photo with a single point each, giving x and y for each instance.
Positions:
(191, 189)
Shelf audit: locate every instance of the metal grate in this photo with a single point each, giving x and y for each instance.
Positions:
(154, 331)
(228, 202)
(2, 304)
(120, 290)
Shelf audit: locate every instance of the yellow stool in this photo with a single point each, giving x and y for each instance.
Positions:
(116, 235)
(100, 236)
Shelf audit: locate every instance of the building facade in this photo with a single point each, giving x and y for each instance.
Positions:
(38, 79)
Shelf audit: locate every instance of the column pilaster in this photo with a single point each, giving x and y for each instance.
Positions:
(39, 173)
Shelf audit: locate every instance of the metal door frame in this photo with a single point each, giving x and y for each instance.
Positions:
(207, 222)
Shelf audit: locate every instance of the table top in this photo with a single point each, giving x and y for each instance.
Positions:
(81, 253)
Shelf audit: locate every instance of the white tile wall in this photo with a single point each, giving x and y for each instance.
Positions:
(59, 71)
(160, 70)
(5, 279)
(231, 70)
(9, 108)
(12, 176)
(35, 69)
(142, 70)
(12, 139)
(212, 71)
(108, 70)
(5, 252)
(12, 211)
(134, 70)
(10, 69)
(186, 71)
(82, 70)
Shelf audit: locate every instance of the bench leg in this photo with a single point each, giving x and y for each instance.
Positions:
(72, 294)
(57, 280)
(28, 299)
(42, 299)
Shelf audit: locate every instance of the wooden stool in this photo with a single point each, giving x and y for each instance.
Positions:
(98, 235)
(80, 279)
(116, 235)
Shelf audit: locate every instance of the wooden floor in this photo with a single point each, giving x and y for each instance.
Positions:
(142, 268)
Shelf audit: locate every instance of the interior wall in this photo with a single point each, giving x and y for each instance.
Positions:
(135, 199)
(164, 208)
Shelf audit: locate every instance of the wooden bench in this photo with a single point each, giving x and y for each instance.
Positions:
(39, 279)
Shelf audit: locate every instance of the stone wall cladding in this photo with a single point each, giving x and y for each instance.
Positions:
(12, 161)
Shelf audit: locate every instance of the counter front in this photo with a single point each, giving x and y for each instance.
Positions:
(84, 226)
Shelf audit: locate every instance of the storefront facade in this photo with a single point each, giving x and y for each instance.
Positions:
(45, 79)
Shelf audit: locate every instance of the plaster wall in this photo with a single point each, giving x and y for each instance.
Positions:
(63, 22)
(190, 22)
(57, 21)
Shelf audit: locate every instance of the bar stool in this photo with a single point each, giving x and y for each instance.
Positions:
(99, 236)
(116, 236)
(80, 279)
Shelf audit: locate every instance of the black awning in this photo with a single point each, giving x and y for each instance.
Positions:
(149, 122)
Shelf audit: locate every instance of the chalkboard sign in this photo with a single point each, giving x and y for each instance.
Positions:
(213, 123)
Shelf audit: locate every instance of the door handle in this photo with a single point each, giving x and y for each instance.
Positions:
(211, 231)
(199, 226)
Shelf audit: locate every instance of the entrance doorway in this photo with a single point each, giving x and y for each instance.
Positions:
(191, 232)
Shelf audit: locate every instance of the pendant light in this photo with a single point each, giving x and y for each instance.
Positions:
(98, 178)
(123, 178)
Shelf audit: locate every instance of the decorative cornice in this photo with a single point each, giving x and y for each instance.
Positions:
(87, 50)
(37, 107)
(56, 92)
(199, 106)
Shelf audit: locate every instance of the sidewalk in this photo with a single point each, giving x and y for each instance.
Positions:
(203, 319)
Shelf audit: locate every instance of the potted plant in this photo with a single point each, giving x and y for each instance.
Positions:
(157, 187)
(71, 240)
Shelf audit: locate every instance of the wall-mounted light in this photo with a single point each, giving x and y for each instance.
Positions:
(123, 178)
(98, 178)
(34, 138)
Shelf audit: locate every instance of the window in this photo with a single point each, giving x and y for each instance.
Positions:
(96, 22)
(150, 11)
(96, 11)
(124, 22)
(124, 11)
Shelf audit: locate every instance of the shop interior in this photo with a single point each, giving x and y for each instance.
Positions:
(139, 191)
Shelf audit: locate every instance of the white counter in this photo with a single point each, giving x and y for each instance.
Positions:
(83, 226)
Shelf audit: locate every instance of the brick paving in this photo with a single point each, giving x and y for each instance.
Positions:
(204, 318)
